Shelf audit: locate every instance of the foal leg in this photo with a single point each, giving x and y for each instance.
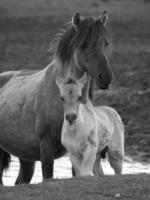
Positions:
(116, 160)
(26, 172)
(97, 168)
(89, 157)
(47, 157)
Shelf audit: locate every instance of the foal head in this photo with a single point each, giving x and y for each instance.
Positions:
(71, 96)
(83, 47)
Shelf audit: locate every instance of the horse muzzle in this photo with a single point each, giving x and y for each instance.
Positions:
(71, 118)
(104, 81)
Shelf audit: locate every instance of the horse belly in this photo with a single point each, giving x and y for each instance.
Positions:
(17, 131)
(21, 147)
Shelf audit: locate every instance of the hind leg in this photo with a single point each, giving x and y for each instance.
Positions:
(97, 168)
(26, 172)
(116, 160)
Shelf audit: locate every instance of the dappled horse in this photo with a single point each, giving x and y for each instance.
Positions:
(31, 113)
(88, 132)
(80, 128)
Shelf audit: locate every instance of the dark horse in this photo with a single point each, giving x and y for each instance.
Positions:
(31, 113)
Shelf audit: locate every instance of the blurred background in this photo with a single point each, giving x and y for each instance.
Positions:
(28, 26)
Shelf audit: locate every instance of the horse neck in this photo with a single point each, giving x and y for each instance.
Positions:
(84, 111)
(50, 87)
(88, 91)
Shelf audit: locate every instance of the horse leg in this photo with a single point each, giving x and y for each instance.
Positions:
(26, 172)
(73, 172)
(116, 160)
(89, 156)
(97, 168)
(47, 157)
(4, 163)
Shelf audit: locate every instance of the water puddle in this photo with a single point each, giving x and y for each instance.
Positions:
(62, 169)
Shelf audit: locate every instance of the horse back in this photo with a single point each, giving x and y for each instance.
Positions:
(108, 116)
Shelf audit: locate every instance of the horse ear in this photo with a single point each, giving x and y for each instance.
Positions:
(76, 19)
(103, 18)
(83, 79)
(59, 82)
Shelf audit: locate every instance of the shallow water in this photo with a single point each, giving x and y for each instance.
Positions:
(62, 169)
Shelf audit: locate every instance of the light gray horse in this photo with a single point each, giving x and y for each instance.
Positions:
(31, 113)
(89, 131)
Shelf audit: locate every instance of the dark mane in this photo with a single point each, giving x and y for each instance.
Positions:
(90, 30)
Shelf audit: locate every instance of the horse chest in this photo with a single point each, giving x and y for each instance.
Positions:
(77, 140)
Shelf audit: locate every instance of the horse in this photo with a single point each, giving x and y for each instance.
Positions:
(89, 132)
(80, 128)
(31, 113)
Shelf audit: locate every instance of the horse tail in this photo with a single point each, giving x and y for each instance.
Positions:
(6, 159)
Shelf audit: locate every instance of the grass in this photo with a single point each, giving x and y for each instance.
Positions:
(128, 187)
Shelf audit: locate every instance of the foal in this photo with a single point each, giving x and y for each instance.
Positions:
(88, 132)
(79, 131)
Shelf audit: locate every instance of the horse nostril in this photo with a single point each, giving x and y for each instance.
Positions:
(71, 117)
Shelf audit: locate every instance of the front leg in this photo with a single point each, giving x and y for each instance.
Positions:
(47, 157)
(97, 168)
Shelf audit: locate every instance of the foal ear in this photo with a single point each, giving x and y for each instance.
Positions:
(103, 18)
(83, 79)
(59, 82)
(76, 19)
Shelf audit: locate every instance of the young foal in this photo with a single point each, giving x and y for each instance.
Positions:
(79, 131)
(89, 132)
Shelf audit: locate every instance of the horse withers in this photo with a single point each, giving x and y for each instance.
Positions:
(31, 113)
(88, 132)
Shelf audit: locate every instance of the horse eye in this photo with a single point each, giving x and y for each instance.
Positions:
(62, 99)
(79, 98)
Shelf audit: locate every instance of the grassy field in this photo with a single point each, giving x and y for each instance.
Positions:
(129, 187)
(26, 30)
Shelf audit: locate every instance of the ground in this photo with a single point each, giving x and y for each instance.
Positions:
(28, 27)
(129, 187)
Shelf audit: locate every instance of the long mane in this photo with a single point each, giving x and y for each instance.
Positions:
(89, 33)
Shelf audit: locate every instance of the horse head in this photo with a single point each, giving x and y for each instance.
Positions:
(84, 48)
(71, 96)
